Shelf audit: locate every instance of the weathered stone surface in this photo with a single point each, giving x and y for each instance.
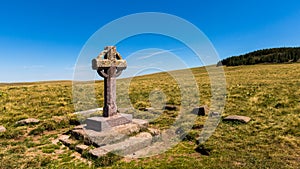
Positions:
(98, 152)
(201, 111)
(2, 129)
(171, 107)
(128, 129)
(243, 119)
(106, 123)
(116, 134)
(119, 119)
(143, 124)
(81, 147)
(28, 121)
(65, 139)
(79, 134)
(104, 137)
(153, 149)
(125, 147)
(109, 65)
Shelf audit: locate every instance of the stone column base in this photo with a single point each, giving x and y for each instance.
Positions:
(106, 123)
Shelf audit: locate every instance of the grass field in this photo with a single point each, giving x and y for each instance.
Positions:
(269, 94)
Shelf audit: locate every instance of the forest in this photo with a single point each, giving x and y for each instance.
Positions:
(273, 55)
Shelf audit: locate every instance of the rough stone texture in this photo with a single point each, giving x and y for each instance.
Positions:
(171, 107)
(131, 145)
(116, 134)
(109, 65)
(2, 129)
(79, 134)
(243, 119)
(98, 152)
(65, 139)
(81, 147)
(28, 121)
(201, 111)
(128, 128)
(104, 137)
(153, 149)
(143, 124)
(125, 147)
(106, 123)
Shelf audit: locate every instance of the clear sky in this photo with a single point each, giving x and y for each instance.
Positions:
(41, 40)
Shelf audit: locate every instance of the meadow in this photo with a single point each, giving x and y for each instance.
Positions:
(269, 94)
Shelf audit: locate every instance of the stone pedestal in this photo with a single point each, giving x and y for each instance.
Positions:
(106, 123)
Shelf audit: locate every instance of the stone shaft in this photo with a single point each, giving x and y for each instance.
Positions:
(109, 65)
(110, 106)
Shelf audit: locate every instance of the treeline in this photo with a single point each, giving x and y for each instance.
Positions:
(274, 55)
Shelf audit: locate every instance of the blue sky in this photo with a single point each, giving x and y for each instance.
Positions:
(41, 40)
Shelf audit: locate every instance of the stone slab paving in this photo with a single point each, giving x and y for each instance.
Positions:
(128, 146)
(115, 134)
(65, 139)
(81, 147)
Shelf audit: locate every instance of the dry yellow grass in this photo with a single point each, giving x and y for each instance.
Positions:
(269, 94)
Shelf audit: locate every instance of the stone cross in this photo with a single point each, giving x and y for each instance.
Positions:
(109, 65)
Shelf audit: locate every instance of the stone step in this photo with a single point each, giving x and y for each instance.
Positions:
(126, 147)
(66, 140)
(114, 135)
(143, 124)
(81, 147)
(201, 111)
(154, 149)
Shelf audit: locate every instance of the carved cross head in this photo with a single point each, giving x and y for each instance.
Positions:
(109, 58)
